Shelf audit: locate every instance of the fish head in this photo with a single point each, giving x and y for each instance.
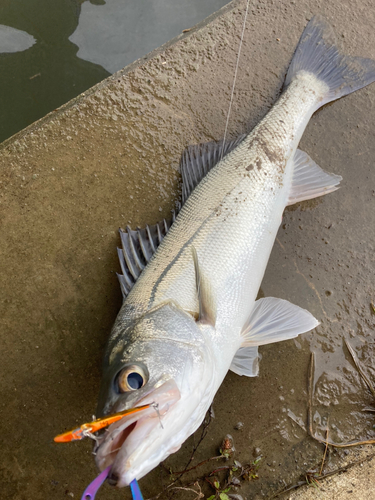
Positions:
(161, 359)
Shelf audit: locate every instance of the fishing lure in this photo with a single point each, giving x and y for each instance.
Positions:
(86, 430)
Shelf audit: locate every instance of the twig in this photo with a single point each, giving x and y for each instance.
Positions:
(203, 435)
(210, 483)
(198, 493)
(311, 479)
(325, 451)
(219, 469)
(230, 481)
(198, 465)
(328, 474)
(310, 392)
(360, 369)
(233, 480)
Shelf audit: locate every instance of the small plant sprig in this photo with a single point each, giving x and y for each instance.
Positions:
(235, 473)
(222, 479)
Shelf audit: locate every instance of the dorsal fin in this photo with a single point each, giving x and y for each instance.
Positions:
(199, 159)
(140, 245)
(137, 249)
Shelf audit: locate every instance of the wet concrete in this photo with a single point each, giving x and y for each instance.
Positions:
(109, 158)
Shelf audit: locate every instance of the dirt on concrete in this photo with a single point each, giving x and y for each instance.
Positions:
(351, 482)
(110, 158)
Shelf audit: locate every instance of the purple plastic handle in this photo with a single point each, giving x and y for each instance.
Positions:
(136, 492)
(92, 488)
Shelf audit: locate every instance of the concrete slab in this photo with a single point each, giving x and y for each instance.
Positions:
(111, 157)
(356, 482)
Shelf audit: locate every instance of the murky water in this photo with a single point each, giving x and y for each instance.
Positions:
(50, 52)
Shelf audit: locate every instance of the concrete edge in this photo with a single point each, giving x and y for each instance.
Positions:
(127, 69)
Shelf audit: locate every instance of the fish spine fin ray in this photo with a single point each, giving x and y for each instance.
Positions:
(317, 53)
(197, 160)
(138, 247)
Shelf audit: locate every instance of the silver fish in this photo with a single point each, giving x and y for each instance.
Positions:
(190, 312)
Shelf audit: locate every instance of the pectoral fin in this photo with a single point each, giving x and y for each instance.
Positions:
(207, 307)
(273, 320)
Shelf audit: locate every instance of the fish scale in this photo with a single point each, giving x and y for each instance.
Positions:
(228, 233)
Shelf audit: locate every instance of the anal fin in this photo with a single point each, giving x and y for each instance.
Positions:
(246, 361)
(309, 180)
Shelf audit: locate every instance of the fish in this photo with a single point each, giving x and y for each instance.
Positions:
(190, 285)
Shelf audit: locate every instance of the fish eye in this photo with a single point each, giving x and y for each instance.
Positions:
(132, 378)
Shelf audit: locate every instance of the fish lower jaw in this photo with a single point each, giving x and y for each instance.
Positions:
(121, 442)
(144, 447)
(132, 470)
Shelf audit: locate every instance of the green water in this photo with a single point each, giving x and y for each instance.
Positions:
(107, 35)
(42, 78)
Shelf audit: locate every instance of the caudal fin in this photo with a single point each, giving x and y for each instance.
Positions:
(317, 53)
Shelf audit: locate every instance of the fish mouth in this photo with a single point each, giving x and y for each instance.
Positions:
(122, 438)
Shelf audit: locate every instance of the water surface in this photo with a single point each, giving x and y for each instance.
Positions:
(50, 52)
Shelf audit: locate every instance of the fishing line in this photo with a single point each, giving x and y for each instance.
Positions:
(156, 408)
(234, 79)
(110, 452)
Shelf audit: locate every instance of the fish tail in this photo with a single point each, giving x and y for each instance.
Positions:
(317, 54)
